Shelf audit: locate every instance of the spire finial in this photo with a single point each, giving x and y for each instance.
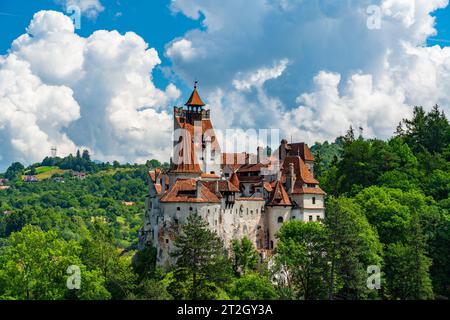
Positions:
(195, 84)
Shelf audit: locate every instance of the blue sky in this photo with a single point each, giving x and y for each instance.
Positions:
(152, 20)
(309, 68)
(443, 28)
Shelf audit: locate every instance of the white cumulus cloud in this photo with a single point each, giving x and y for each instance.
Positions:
(340, 72)
(60, 89)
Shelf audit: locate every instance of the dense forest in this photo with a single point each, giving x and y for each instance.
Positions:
(387, 205)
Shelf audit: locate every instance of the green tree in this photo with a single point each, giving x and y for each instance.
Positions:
(145, 263)
(424, 131)
(301, 253)
(245, 257)
(202, 264)
(438, 185)
(85, 155)
(354, 245)
(439, 245)
(253, 287)
(100, 253)
(406, 272)
(33, 266)
(14, 171)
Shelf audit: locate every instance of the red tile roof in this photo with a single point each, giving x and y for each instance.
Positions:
(154, 175)
(224, 186)
(252, 167)
(250, 199)
(187, 160)
(268, 186)
(233, 160)
(157, 177)
(235, 180)
(301, 171)
(300, 149)
(194, 99)
(279, 196)
(210, 176)
(302, 190)
(185, 191)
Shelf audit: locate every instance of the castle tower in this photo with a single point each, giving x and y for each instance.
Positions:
(196, 149)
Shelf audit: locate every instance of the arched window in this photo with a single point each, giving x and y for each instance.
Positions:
(314, 200)
(280, 220)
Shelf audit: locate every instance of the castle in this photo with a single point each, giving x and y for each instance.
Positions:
(238, 194)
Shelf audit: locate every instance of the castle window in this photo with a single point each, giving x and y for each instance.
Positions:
(271, 244)
(293, 218)
(310, 218)
(280, 220)
(314, 200)
(190, 209)
(178, 209)
(212, 172)
(167, 241)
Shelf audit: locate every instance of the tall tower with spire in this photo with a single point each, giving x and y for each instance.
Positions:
(196, 150)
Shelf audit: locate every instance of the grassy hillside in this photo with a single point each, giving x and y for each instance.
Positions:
(46, 172)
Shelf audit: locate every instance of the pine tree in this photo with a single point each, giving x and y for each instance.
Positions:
(407, 266)
(354, 245)
(202, 264)
(86, 155)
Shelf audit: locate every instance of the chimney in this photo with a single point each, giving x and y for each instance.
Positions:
(198, 188)
(247, 158)
(259, 152)
(282, 153)
(290, 179)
